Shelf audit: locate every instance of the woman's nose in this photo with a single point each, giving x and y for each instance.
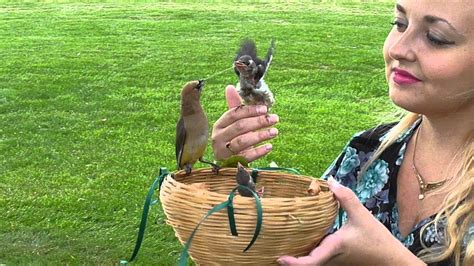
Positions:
(402, 47)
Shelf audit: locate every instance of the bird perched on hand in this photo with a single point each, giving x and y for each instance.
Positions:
(192, 130)
(250, 69)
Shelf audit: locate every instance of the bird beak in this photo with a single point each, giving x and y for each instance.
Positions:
(200, 84)
(239, 65)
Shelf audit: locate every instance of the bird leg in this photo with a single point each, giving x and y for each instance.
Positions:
(188, 167)
(238, 107)
(215, 167)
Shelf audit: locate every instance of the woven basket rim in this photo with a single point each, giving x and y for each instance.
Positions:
(209, 171)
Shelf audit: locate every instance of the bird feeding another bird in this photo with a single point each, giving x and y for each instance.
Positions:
(192, 129)
(251, 70)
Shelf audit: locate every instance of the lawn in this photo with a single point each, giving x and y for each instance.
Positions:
(89, 99)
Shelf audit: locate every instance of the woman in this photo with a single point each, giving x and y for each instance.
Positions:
(406, 188)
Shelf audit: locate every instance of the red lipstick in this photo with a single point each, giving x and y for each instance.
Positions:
(402, 77)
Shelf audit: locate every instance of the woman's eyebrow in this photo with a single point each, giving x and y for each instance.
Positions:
(401, 9)
(430, 19)
(433, 19)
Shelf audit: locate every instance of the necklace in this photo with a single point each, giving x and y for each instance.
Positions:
(424, 186)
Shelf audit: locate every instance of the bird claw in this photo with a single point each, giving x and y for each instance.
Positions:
(215, 169)
(188, 170)
(238, 107)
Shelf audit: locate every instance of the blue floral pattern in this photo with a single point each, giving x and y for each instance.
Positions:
(401, 154)
(377, 189)
(349, 162)
(373, 180)
(430, 235)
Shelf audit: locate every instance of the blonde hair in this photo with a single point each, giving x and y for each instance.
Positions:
(457, 207)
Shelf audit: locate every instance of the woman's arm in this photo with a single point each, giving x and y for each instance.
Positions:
(241, 127)
(362, 241)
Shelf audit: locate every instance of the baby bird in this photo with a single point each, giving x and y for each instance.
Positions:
(192, 129)
(243, 178)
(250, 69)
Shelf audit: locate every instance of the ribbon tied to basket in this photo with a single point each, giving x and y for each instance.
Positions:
(226, 204)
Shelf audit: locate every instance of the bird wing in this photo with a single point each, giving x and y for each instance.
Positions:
(264, 64)
(180, 138)
(247, 47)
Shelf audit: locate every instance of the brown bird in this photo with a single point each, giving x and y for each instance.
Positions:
(192, 130)
(243, 178)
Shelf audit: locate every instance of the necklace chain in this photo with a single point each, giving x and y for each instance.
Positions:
(424, 186)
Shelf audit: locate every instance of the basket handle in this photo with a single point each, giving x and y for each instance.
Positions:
(146, 207)
(230, 212)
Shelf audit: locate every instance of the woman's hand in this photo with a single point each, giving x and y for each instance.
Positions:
(362, 241)
(239, 129)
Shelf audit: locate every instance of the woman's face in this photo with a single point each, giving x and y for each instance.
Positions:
(429, 56)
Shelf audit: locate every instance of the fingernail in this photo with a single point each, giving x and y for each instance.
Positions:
(281, 262)
(273, 132)
(272, 119)
(268, 147)
(333, 183)
(261, 109)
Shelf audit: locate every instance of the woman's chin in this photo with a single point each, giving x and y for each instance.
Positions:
(405, 102)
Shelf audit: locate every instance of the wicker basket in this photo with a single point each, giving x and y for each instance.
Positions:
(293, 222)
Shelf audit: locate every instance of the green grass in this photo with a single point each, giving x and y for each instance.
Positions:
(89, 98)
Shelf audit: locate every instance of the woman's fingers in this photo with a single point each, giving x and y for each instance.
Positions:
(245, 125)
(232, 96)
(243, 134)
(238, 113)
(243, 142)
(348, 200)
(253, 154)
(240, 128)
(327, 250)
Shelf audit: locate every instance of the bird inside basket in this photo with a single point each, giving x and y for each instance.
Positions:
(245, 179)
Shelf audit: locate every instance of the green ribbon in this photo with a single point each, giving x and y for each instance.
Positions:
(230, 213)
(146, 208)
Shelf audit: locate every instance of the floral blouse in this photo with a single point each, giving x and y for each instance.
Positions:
(377, 189)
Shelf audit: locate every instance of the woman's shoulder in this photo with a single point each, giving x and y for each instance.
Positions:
(371, 137)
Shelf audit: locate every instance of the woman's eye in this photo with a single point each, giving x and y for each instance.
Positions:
(437, 41)
(399, 25)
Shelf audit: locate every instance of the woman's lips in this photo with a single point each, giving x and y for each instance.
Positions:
(403, 77)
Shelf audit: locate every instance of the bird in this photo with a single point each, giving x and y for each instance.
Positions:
(243, 178)
(250, 70)
(192, 129)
